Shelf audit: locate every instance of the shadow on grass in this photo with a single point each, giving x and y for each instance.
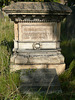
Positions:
(8, 44)
(68, 37)
(68, 50)
(67, 43)
(67, 79)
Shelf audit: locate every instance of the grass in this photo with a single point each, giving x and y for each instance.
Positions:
(9, 82)
(67, 45)
(67, 79)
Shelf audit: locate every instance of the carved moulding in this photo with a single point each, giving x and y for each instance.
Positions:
(35, 18)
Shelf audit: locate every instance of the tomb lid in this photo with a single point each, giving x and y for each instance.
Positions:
(37, 8)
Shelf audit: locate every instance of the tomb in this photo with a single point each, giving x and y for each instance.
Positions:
(37, 40)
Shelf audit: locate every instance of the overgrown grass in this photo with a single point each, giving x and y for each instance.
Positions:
(67, 44)
(9, 82)
(67, 79)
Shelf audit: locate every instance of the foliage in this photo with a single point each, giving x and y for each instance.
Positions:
(6, 2)
(69, 74)
(9, 82)
(67, 79)
(67, 44)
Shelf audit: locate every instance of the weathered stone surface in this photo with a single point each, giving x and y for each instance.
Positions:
(21, 60)
(44, 60)
(16, 31)
(37, 11)
(36, 32)
(36, 36)
(37, 7)
(39, 80)
(38, 57)
(59, 67)
(36, 45)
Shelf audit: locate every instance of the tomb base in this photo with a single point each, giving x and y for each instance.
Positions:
(59, 68)
(38, 60)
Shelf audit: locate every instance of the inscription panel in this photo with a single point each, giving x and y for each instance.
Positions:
(35, 32)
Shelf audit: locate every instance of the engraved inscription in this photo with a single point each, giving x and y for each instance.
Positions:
(36, 33)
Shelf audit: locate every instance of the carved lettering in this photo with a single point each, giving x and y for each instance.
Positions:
(36, 33)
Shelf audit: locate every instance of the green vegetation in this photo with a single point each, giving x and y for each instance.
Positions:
(67, 79)
(9, 82)
(7, 2)
(67, 44)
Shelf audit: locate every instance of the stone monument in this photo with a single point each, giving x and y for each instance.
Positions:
(37, 38)
(37, 35)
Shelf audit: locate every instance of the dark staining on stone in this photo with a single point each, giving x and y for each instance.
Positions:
(36, 6)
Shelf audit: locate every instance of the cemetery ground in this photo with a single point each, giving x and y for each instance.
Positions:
(9, 82)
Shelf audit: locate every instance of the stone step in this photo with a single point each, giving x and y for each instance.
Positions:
(39, 80)
(39, 89)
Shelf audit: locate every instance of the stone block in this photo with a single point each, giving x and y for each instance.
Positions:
(58, 67)
(38, 57)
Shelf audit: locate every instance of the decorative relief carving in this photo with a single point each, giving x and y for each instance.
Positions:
(35, 18)
(29, 20)
(14, 15)
(43, 15)
(36, 45)
(24, 15)
(33, 15)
